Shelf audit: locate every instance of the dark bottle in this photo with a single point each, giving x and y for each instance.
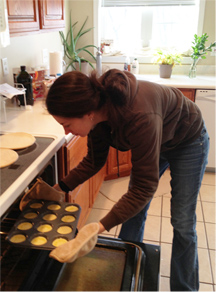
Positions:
(25, 79)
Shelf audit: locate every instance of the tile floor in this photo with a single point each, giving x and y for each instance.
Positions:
(159, 220)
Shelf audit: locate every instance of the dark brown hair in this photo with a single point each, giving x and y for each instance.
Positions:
(74, 94)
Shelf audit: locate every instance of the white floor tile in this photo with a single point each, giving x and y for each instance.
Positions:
(213, 264)
(102, 202)
(152, 228)
(201, 234)
(209, 178)
(211, 233)
(164, 284)
(115, 188)
(166, 249)
(207, 193)
(96, 215)
(155, 207)
(199, 212)
(166, 230)
(209, 212)
(166, 207)
(205, 274)
(206, 287)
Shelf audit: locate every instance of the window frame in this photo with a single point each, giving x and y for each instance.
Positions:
(141, 59)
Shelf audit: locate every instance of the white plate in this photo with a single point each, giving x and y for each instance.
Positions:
(18, 140)
(7, 157)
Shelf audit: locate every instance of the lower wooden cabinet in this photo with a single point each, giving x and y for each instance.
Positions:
(124, 159)
(189, 93)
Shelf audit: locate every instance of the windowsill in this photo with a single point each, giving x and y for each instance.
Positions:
(153, 69)
(141, 59)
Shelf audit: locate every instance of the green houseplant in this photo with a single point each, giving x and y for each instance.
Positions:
(70, 46)
(199, 51)
(167, 60)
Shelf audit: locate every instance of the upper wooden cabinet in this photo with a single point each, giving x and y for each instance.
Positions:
(51, 14)
(25, 16)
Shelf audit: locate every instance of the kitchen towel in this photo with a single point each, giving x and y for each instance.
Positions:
(55, 63)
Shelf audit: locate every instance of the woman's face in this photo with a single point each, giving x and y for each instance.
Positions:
(76, 126)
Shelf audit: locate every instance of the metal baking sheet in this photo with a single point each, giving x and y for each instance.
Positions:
(111, 266)
(41, 213)
(101, 270)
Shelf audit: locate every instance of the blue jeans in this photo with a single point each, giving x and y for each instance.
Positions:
(187, 167)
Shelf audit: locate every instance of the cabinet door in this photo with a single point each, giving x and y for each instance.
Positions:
(76, 149)
(189, 93)
(22, 16)
(124, 164)
(51, 14)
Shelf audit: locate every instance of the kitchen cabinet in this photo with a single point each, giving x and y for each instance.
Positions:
(85, 194)
(27, 16)
(51, 14)
(189, 93)
(124, 164)
(23, 16)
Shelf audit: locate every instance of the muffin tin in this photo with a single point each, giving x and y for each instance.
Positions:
(45, 224)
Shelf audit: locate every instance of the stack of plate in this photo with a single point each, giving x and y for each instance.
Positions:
(10, 142)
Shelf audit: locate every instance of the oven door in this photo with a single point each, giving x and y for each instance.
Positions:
(137, 264)
(113, 265)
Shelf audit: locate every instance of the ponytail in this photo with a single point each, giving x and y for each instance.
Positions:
(114, 88)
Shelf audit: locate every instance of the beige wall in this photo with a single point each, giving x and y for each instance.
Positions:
(209, 28)
(27, 50)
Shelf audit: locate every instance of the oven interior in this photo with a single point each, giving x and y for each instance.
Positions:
(25, 269)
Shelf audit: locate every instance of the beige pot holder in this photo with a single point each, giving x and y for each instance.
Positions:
(41, 191)
(84, 242)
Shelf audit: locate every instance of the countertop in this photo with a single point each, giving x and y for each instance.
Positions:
(182, 81)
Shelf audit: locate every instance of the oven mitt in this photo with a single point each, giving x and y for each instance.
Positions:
(82, 244)
(41, 191)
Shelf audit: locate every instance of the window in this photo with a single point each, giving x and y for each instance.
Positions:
(139, 27)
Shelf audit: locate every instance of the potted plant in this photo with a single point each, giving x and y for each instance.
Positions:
(199, 51)
(70, 47)
(167, 60)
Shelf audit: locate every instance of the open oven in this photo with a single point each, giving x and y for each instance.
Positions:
(112, 265)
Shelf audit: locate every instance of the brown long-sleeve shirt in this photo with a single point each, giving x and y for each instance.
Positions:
(159, 119)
